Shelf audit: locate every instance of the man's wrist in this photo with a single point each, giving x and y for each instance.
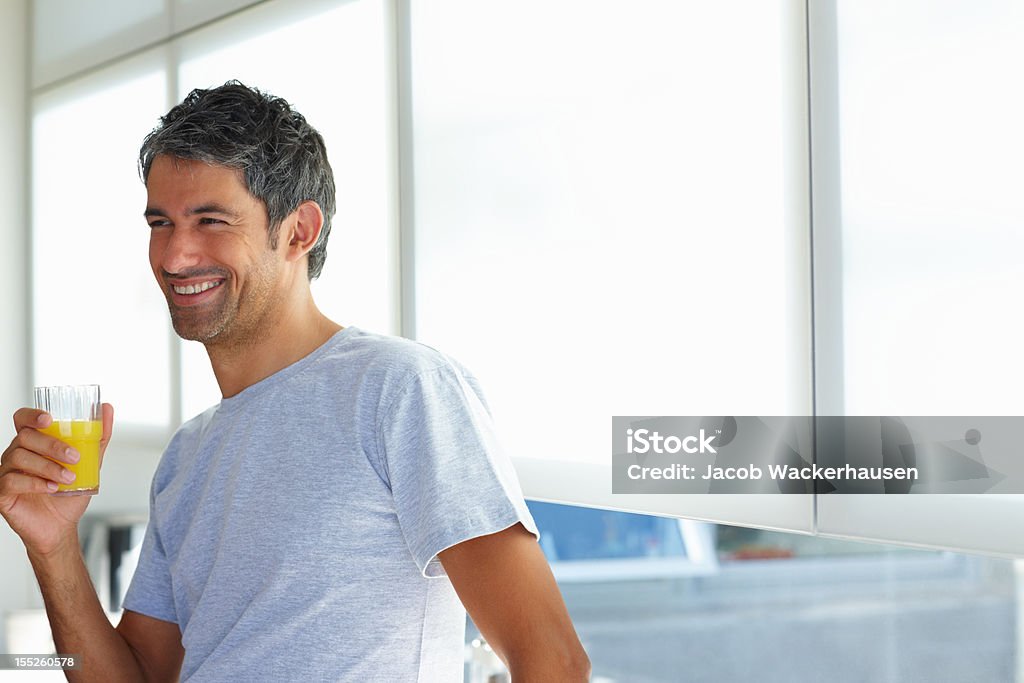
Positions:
(68, 548)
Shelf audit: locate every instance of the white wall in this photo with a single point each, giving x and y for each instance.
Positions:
(16, 581)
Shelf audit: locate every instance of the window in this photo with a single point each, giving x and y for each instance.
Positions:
(571, 197)
(597, 189)
(930, 144)
(927, 210)
(98, 316)
(115, 331)
(602, 210)
(353, 110)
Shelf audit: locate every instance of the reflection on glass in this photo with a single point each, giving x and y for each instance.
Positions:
(574, 533)
(740, 544)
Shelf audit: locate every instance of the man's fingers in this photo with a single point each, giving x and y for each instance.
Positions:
(108, 429)
(15, 483)
(31, 417)
(108, 424)
(35, 465)
(44, 444)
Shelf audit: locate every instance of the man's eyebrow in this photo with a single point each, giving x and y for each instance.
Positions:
(212, 207)
(204, 208)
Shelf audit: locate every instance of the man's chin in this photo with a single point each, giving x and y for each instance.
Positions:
(192, 330)
(189, 334)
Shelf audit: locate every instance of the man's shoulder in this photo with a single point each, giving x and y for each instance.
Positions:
(193, 428)
(357, 371)
(391, 359)
(391, 367)
(182, 441)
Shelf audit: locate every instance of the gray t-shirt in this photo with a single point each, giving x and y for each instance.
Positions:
(294, 528)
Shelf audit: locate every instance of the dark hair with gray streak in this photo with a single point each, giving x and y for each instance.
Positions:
(282, 158)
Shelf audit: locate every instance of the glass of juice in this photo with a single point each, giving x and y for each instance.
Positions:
(78, 422)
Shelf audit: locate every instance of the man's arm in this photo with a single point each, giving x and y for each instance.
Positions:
(507, 587)
(155, 643)
(139, 649)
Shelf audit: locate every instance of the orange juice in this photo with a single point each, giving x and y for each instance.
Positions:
(84, 437)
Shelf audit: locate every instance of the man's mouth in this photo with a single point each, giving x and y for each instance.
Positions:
(195, 293)
(197, 288)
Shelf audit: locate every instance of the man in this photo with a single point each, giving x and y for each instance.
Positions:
(324, 520)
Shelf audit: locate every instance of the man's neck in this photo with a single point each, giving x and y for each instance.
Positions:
(290, 339)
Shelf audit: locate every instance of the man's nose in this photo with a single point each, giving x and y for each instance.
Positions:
(182, 250)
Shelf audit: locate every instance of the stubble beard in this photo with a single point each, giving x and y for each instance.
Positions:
(237, 320)
(202, 326)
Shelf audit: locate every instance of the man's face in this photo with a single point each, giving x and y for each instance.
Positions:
(210, 253)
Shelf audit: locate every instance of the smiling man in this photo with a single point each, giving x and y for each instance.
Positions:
(332, 515)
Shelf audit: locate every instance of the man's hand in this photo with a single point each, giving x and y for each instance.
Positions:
(141, 648)
(29, 474)
(507, 587)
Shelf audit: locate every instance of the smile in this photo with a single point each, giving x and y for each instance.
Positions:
(196, 289)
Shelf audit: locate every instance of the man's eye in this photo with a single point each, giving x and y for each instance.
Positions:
(206, 220)
(157, 223)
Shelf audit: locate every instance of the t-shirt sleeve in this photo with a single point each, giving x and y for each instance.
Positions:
(449, 476)
(150, 590)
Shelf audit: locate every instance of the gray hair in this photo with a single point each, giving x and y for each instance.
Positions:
(282, 158)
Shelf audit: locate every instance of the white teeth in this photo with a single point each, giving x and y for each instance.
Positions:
(196, 289)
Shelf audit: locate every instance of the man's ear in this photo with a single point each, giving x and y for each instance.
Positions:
(303, 228)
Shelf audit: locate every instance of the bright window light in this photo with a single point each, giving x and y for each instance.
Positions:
(611, 210)
(931, 143)
(352, 109)
(98, 314)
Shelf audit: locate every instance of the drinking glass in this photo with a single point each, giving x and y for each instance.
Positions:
(78, 422)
